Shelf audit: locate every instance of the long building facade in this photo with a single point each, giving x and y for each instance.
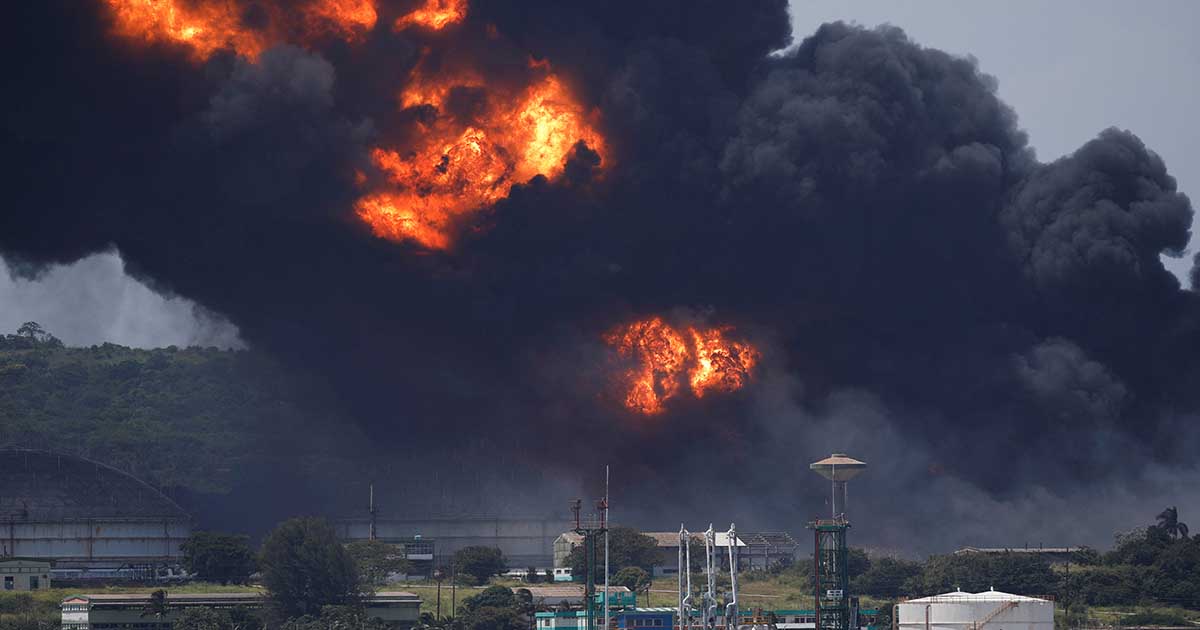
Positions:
(526, 542)
(85, 516)
(128, 611)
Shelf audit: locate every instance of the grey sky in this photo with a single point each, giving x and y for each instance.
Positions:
(1069, 68)
(93, 300)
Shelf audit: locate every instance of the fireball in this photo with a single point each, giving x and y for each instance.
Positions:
(662, 355)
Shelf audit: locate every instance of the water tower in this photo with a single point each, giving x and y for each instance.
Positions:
(838, 469)
(831, 579)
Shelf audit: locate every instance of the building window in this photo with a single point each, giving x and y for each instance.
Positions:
(8, 582)
(33, 583)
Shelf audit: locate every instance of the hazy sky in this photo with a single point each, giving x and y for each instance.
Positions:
(94, 300)
(1070, 68)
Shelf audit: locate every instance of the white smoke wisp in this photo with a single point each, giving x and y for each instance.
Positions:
(93, 300)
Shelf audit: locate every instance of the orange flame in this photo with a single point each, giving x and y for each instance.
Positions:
(458, 167)
(434, 15)
(212, 25)
(662, 354)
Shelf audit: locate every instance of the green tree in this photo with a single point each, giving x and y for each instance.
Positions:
(376, 560)
(204, 618)
(216, 557)
(1168, 521)
(628, 548)
(635, 579)
(886, 578)
(492, 596)
(35, 335)
(857, 562)
(305, 568)
(157, 606)
(479, 563)
(1012, 572)
(488, 618)
(336, 618)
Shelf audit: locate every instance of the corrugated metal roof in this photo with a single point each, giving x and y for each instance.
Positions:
(662, 539)
(671, 539)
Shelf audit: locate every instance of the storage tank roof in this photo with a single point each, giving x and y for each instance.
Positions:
(44, 486)
(984, 596)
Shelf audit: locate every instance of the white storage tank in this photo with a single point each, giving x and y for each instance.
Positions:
(989, 610)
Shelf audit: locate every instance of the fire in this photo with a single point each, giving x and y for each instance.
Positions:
(212, 25)
(457, 167)
(434, 15)
(663, 354)
(721, 365)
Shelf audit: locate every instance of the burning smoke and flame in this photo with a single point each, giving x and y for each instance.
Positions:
(206, 27)
(457, 167)
(434, 15)
(664, 355)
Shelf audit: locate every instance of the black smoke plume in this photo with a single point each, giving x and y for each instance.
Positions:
(994, 334)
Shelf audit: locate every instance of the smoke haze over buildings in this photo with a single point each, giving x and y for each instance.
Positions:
(997, 336)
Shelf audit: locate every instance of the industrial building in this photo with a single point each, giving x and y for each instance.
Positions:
(525, 542)
(664, 617)
(24, 574)
(764, 550)
(85, 517)
(127, 611)
(974, 611)
(667, 543)
(1053, 555)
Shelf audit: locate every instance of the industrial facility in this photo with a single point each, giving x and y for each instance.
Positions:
(86, 518)
(127, 611)
(974, 611)
(525, 542)
(758, 550)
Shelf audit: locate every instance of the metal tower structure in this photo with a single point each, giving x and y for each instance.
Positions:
(685, 579)
(831, 580)
(591, 531)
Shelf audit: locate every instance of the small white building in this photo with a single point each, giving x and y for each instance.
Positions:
(24, 574)
(989, 610)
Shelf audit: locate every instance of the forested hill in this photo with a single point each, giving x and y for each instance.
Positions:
(188, 419)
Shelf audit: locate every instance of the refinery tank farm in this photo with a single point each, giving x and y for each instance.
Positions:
(79, 522)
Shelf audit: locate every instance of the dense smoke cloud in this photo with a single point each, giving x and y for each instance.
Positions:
(986, 330)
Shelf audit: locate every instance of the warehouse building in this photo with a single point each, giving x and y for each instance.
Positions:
(668, 548)
(1053, 555)
(24, 574)
(127, 611)
(525, 542)
(86, 517)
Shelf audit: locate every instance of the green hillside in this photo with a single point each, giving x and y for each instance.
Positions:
(177, 417)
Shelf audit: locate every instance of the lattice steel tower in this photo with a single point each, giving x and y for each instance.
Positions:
(831, 580)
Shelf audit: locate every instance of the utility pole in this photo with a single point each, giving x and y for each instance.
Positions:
(604, 517)
(437, 575)
(371, 510)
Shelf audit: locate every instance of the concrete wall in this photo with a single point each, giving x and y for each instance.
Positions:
(24, 575)
(525, 542)
(95, 542)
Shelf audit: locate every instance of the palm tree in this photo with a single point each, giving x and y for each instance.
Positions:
(1168, 521)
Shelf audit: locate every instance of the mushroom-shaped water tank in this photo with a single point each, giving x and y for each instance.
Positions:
(838, 467)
